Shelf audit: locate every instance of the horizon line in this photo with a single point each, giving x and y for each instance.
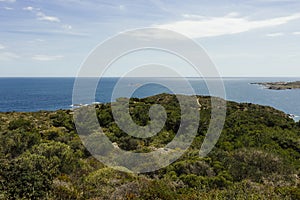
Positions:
(149, 77)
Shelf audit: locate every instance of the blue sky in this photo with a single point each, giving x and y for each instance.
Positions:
(243, 38)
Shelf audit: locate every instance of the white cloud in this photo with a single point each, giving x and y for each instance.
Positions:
(201, 17)
(149, 35)
(188, 16)
(8, 8)
(2, 47)
(36, 41)
(47, 57)
(54, 32)
(28, 8)
(8, 56)
(67, 27)
(8, 1)
(40, 40)
(41, 16)
(217, 26)
(274, 34)
(31, 9)
(122, 7)
(233, 14)
(296, 33)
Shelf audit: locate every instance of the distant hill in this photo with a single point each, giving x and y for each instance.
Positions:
(256, 157)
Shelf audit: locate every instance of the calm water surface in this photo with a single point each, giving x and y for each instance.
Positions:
(33, 94)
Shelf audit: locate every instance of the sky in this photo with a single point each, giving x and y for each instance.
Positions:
(249, 38)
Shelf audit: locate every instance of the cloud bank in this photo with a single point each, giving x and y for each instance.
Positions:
(199, 26)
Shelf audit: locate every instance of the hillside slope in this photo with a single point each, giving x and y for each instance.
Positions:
(256, 157)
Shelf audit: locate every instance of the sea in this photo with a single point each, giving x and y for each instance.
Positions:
(35, 94)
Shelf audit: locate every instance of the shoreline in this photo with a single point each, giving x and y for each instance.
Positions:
(282, 85)
(293, 116)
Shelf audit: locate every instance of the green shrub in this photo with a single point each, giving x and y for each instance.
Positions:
(26, 177)
(20, 123)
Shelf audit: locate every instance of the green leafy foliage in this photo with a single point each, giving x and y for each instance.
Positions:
(27, 177)
(256, 157)
(20, 123)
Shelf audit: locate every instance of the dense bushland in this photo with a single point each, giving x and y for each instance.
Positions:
(256, 157)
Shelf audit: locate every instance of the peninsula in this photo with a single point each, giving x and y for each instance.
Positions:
(280, 85)
(256, 157)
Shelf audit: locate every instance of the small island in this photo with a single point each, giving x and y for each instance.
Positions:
(280, 85)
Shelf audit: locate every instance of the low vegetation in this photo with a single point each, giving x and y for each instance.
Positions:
(256, 157)
(281, 85)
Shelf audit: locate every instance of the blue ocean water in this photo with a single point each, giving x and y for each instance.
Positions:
(34, 94)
